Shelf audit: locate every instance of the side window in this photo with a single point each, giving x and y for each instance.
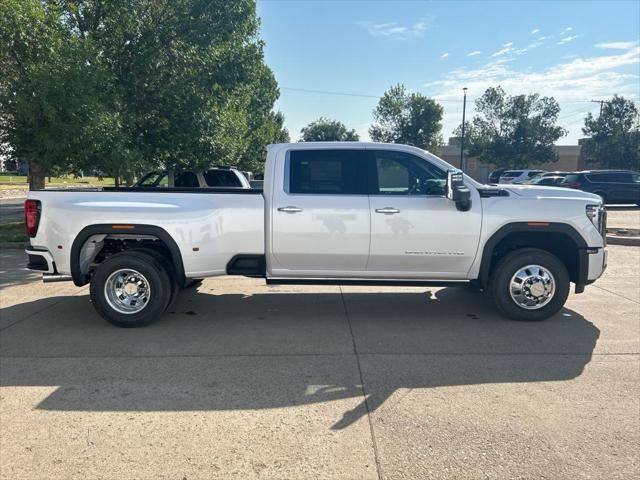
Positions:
(330, 172)
(186, 179)
(222, 178)
(399, 173)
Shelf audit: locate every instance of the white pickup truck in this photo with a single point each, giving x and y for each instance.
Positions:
(330, 213)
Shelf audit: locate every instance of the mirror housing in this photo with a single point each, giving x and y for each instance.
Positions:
(456, 190)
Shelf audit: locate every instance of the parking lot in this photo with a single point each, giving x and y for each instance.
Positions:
(241, 380)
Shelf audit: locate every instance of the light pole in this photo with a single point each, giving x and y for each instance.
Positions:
(464, 111)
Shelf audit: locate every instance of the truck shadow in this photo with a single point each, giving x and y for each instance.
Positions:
(270, 350)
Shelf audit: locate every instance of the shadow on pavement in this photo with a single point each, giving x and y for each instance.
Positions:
(229, 352)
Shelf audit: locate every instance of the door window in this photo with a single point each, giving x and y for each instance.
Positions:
(328, 172)
(399, 173)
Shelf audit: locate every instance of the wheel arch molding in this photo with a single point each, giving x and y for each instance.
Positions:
(124, 230)
(549, 236)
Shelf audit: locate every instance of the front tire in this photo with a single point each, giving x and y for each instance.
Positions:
(530, 285)
(130, 289)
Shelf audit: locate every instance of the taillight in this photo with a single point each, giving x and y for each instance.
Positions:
(32, 216)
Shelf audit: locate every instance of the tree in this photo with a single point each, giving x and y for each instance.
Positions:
(410, 118)
(156, 84)
(41, 122)
(326, 130)
(514, 131)
(614, 136)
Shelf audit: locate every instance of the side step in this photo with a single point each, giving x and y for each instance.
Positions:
(366, 282)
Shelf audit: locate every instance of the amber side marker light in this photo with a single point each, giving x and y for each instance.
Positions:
(123, 227)
(538, 224)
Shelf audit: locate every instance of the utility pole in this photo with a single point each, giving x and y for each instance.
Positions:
(464, 109)
(601, 102)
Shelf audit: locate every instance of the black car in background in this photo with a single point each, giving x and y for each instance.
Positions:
(614, 186)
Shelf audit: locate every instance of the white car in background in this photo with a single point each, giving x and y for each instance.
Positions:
(216, 177)
(518, 176)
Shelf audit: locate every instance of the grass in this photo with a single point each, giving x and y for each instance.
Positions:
(13, 231)
(20, 181)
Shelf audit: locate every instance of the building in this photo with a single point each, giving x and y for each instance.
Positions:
(570, 159)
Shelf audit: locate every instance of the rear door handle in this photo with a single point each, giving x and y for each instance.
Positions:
(289, 209)
(387, 210)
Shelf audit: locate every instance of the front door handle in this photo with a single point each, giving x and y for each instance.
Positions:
(387, 210)
(289, 209)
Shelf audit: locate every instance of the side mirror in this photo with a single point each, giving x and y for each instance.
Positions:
(456, 190)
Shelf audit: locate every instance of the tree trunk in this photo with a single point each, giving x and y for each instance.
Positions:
(36, 176)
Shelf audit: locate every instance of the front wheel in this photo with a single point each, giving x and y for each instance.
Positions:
(530, 285)
(130, 289)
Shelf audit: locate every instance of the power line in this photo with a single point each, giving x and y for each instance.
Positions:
(367, 95)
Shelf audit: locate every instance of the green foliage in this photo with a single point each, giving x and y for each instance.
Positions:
(409, 118)
(614, 136)
(121, 86)
(326, 130)
(514, 131)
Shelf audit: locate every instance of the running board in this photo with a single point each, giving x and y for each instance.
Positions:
(366, 282)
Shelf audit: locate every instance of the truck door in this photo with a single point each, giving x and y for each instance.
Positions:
(416, 232)
(320, 222)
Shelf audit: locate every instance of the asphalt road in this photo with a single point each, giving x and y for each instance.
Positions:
(243, 381)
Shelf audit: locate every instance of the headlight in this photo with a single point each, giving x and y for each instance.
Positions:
(598, 216)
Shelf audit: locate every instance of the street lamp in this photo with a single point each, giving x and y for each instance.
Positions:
(464, 109)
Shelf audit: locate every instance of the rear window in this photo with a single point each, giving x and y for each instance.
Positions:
(512, 173)
(610, 177)
(338, 172)
(222, 178)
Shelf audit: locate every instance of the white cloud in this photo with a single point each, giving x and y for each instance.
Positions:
(444, 55)
(566, 30)
(569, 81)
(616, 45)
(568, 39)
(506, 48)
(534, 31)
(397, 31)
(474, 53)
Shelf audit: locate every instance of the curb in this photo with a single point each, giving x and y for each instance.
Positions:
(619, 240)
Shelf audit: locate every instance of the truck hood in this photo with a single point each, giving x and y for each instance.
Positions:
(551, 192)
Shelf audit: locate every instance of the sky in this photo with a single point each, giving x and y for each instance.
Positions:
(575, 51)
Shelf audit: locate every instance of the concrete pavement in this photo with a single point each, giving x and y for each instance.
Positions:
(241, 380)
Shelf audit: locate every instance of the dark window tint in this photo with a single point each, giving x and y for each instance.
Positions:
(572, 178)
(222, 178)
(610, 177)
(338, 172)
(186, 180)
(400, 173)
(534, 173)
(512, 173)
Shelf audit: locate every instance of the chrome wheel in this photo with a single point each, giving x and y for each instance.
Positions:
(127, 291)
(532, 287)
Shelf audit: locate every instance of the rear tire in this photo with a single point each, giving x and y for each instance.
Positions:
(130, 289)
(529, 285)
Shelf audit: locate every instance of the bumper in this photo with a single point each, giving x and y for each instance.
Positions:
(597, 264)
(40, 261)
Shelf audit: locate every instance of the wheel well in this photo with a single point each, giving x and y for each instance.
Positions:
(560, 244)
(97, 243)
